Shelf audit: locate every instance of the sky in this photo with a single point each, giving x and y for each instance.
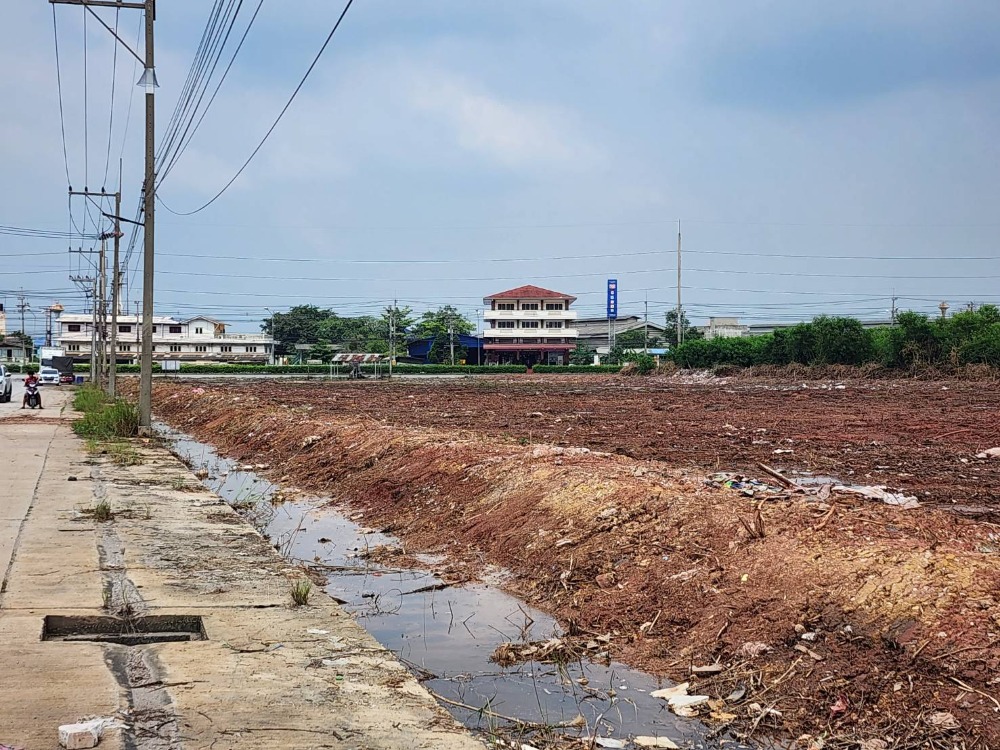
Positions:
(821, 157)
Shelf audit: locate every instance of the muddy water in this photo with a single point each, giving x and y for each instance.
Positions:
(446, 636)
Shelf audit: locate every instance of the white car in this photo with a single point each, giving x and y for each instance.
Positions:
(6, 385)
(48, 376)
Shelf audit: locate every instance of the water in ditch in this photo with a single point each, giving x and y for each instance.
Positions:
(447, 635)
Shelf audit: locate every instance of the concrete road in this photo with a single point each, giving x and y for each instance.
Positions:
(267, 674)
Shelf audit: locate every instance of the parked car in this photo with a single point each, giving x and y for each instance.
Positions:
(6, 385)
(48, 376)
(66, 378)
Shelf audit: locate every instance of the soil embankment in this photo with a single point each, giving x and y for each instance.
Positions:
(844, 619)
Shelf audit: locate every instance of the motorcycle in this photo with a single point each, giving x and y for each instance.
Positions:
(34, 400)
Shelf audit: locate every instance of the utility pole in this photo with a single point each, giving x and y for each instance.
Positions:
(680, 333)
(102, 313)
(451, 341)
(116, 290)
(392, 335)
(645, 326)
(22, 306)
(893, 311)
(148, 81)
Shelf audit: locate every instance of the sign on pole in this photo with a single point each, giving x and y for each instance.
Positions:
(612, 299)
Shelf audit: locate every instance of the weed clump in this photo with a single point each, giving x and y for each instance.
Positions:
(301, 591)
(102, 512)
(104, 418)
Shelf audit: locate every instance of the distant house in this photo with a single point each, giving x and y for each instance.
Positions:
(529, 325)
(13, 350)
(594, 331)
(724, 328)
(197, 339)
(419, 349)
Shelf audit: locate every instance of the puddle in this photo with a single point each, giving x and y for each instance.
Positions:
(446, 636)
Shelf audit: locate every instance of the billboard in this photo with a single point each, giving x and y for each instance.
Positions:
(612, 299)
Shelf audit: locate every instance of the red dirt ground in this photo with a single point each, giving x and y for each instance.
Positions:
(903, 603)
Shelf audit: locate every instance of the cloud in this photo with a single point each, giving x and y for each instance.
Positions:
(511, 133)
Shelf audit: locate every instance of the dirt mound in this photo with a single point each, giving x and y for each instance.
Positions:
(849, 620)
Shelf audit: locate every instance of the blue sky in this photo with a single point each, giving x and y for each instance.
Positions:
(854, 141)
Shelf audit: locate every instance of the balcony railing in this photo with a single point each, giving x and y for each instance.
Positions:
(507, 333)
(529, 314)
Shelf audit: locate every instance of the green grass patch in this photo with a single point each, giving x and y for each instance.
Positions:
(103, 418)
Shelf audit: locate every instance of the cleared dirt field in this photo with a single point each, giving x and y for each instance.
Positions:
(834, 616)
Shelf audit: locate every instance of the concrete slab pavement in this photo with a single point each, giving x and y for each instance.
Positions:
(269, 675)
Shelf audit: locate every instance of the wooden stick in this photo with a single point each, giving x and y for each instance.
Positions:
(775, 474)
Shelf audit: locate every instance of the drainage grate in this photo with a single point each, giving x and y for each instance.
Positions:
(137, 631)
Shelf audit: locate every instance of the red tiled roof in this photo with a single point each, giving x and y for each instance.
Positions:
(530, 292)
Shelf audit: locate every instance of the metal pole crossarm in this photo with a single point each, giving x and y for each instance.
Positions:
(122, 218)
(100, 4)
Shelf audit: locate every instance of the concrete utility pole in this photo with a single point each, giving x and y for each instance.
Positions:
(645, 326)
(116, 291)
(392, 335)
(148, 81)
(451, 342)
(680, 330)
(22, 306)
(893, 310)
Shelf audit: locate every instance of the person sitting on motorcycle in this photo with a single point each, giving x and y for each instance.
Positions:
(32, 379)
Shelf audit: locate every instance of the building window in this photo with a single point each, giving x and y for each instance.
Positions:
(154, 329)
(226, 348)
(553, 305)
(553, 324)
(124, 329)
(199, 330)
(175, 347)
(529, 324)
(505, 305)
(506, 324)
(124, 347)
(73, 348)
(175, 329)
(201, 348)
(73, 327)
(153, 348)
(251, 349)
(529, 305)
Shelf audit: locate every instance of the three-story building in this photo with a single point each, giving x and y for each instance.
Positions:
(529, 325)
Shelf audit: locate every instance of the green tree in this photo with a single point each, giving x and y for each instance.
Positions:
(300, 325)
(399, 319)
(689, 332)
(435, 322)
(439, 325)
(634, 339)
(582, 355)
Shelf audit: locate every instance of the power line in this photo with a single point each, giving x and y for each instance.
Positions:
(187, 138)
(538, 259)
(111, 116)
(274, 124)
(62, 118)
(49, 234)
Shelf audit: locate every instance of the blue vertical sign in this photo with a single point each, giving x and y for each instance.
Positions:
(612, 299)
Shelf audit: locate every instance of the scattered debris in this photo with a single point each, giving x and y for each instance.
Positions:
(610, 743)
(680, 702)
(907, 502)
(989, 453)
(311, 440)
(942, 720)
(655, 742)
(753, 649)
(709, 669)
(85, 734)
(70, 478)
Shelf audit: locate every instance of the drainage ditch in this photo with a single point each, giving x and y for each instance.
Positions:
(446, 633)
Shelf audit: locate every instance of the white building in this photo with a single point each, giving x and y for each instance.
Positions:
(529, 326)
(200, 339)
(724, 328)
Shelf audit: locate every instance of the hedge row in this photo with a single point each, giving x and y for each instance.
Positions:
(576, 369)
(400, 369)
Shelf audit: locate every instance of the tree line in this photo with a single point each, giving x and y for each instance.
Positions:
(323, 329)
(970, 337)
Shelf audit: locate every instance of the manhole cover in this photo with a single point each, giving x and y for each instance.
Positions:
(126, 632)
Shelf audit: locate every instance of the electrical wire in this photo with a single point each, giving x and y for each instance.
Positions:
(48, 234)
(186, 139)
(274, 125)
(111, 116)
(62, 117)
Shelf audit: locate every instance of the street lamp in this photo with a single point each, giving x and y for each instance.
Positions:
(943, 307)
